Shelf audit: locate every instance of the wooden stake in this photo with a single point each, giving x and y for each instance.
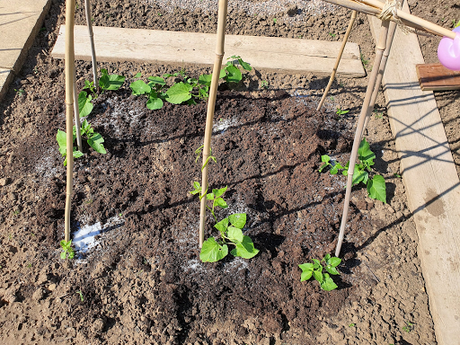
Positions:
(221, 24)
(365, 112)
(69, 100)
(91, 37)
(339, 57)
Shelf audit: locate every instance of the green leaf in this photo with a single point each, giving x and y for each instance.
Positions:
(211, 251)
(63, 255)
(317, 263)
(223, 73)
(205, 79)
(110, 82)
(328, 284)
(220, 202)
(138, 75)
(154, 103)
(245, 249)
(238, 220)
(95, 141)
(62, 142)
(210, 196)
(365, 153)
(307, 271)
(222, 226)
(359, 176)
(318, 274)
(234, 74)
(235, 234)
(156, 81)
(84, 104)
(377, 189)
(332, 270)
(326, 160)
(139, 87)
(179, 93)
(334, 262)
(245, 65)
(219, 192)
(76, 153)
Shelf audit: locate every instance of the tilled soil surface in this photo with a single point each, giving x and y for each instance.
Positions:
(143, 283)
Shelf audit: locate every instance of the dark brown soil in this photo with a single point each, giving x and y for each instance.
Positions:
(144, 282)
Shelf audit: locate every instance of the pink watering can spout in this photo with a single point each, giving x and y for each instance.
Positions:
(449, 51)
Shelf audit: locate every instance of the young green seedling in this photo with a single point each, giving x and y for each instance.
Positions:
(231, 73)
(67, 250)
(341, 112)
(184, 89)
(95, 140)
(375, 187)
(230, 229)
(210, 157)
(215, 197)
(315, 269)
(408, 327)
(80, 293)
(231, 232)
(107, 82)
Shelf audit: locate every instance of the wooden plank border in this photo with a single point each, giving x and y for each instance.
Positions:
(286, 55)
(431, 181)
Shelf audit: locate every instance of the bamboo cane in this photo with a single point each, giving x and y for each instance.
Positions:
(339, 57)
(77, 118)
(91, 37)
(362, 118)
(355, 6)
(383, 65)
(414, 20)
(221, 23)
(375, 7)
(69, 100)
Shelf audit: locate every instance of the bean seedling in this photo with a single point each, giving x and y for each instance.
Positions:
(341, 112)
(80, 293)
(95, 140)
(315, 269)
(231, 232)
(408, 327)
(67, 250)
(375, 186)
(185, 89)
(107, 82)
(230, 229)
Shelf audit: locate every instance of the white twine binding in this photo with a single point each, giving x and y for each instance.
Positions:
(389, 11)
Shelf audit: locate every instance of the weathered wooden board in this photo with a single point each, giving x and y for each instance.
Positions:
(19, 24)
(271, 53)
(430, 177)
(436, 77)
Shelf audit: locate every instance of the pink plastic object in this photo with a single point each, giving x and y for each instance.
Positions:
(449, 51)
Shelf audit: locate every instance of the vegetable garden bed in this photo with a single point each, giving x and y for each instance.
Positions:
(143, 282)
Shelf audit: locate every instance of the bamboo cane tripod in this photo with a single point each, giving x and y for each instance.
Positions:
(386, 13)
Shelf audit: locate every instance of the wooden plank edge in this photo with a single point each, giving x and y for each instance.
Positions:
(446, 80)
(348, 69)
